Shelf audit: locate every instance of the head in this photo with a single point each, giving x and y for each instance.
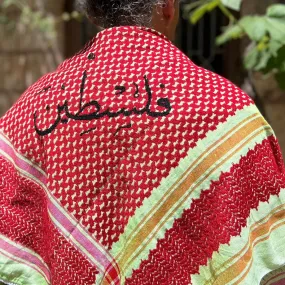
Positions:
(161, 15)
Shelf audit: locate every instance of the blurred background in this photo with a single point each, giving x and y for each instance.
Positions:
(242, 40)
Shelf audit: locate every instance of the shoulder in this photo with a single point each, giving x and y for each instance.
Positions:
(197, 86)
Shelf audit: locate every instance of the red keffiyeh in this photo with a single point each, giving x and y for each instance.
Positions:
(131, 165)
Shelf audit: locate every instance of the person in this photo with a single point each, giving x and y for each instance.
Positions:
(131, 165)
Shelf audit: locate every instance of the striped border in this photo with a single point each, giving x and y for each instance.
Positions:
(244, 273)
(238, 135)
(233, 263)
(65, 223)
(246, 124)
(13, 252)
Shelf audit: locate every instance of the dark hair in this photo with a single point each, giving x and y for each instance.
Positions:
(111, 13)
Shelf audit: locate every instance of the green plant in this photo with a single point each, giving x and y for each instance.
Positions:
(266, 53)
(31, 18)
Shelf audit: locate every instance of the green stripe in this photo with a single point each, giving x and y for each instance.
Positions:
(187, 201)
(167, 182)
(268, 255)
(157, 194)
(18, 273)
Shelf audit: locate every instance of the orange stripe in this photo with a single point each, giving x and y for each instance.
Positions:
(255, 225)
(150, 213)
(176, 208)
(237, 268)
(212, 158)
(136, 243)
(251, 259)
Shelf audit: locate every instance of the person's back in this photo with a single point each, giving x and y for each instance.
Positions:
(131, 165)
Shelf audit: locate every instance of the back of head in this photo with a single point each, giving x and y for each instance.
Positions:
(111, 13)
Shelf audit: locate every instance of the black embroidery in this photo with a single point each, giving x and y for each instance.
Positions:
(91, 56)
(123, 127)
(98, 113)
(64, 121)
(121, 89)
(137, 94)
(82, 90)
(45, 89)
(88, 131)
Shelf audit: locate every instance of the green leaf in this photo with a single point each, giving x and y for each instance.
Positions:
(276, 11)
(282, 67)
(251, 59)
(280, 78)
(277, 62)
(280, 58)
(232, 4)
(276, 29)
(191, 6)
(232, 32)
(212, 5)
(254, 26)
(263, 59)
(274, 46)
(198, 13)
(202, 10)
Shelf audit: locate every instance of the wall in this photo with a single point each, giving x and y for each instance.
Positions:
(26, 55)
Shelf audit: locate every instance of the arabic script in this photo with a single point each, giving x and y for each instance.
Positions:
(97, 114)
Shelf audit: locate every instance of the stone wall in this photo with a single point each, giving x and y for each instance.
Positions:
(25, 54)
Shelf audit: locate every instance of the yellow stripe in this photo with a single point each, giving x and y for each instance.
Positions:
(150, 213)
(199, 170)
(166, 207)
(246, 260)
(203, 154)
(237, 256)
